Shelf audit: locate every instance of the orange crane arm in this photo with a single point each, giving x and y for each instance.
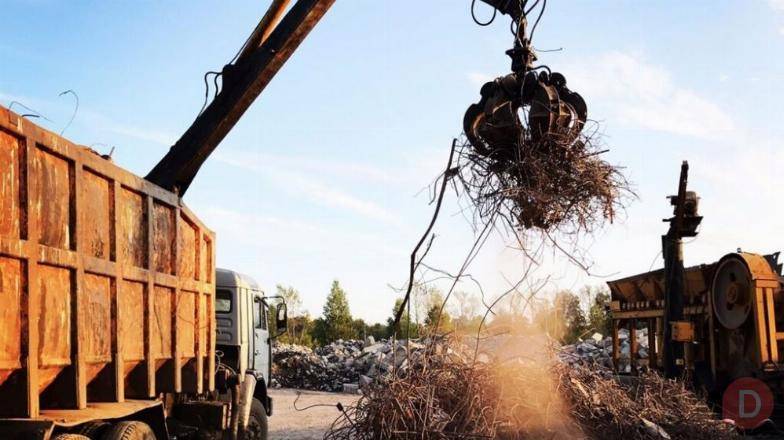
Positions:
(267, 49)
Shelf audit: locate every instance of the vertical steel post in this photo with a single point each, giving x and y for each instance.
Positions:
(674, 283)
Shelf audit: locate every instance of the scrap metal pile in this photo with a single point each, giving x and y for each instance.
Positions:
(450, 395)
(510, 387)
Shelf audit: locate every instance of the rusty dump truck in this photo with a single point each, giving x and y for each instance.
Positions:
(108, 305)
(114, 323)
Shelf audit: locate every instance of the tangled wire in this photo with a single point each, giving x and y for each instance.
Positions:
(439, 398)
(557, 184)
(642, 409)
(446, 396)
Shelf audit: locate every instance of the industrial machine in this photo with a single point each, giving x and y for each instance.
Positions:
(714, 322)
(115, 322)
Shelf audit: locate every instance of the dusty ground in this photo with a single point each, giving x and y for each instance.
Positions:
(287, 423)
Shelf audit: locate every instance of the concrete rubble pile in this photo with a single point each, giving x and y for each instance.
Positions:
(348, 365)
(340, 366)
(597, 350)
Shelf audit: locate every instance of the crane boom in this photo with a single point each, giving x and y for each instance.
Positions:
(243, 81)
(265, 52)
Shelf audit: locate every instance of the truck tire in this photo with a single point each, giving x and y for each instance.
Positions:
(257, 422)
(94, 430)
(132, 430)
(70, 437)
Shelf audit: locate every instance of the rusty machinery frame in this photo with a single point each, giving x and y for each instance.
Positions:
(714, 322)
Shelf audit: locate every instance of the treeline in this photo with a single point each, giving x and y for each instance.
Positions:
(566, 317)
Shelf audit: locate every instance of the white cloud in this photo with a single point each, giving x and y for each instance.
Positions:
(291, 178)
(644, 95)
(96, 121)
(323, 193)
(152, 136)
(778, 7)
(309, 164)
(479, 79)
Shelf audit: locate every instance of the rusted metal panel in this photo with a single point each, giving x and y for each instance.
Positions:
(97, 215)
(54, 290)
(106, 283)
(11, 177)
(649, 286)
(97, 307)
(188, 250)
(133, 228)
(53, 197)
(186, 323)
(131, 299)
(164, 238)
(163, 299)
(11, 287)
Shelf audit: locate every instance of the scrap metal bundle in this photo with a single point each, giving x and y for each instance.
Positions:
(526, 107)
(527, 156)
(652, 408)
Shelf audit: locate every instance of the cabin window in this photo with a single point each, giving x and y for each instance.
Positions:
(223, 301)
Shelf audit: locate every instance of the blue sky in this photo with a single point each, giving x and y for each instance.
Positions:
(322, 177)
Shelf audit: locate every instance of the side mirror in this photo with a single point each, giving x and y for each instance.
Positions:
(281, 318)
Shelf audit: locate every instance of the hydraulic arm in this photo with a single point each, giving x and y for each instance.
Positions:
(268, 48)
(493, 125)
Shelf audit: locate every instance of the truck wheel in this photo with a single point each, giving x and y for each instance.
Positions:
(131, 430)
(94, 430)
(257, 422)
(70, 437)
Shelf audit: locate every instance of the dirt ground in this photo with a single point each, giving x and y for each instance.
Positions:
(287, 423)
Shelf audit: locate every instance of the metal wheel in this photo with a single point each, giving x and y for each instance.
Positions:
(132, 430)
(94, 430)
(732, 295)
(257, 428)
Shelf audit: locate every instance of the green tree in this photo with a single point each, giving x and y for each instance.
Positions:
(299, 322)
(567, 306)
(435, 316)
(379, 331)
(407, 326)
(337, 316)
(432, 320)
(300, 331)
(359, 329)
(563, 319)
(318, 332)
(599, 318)
(292, 298)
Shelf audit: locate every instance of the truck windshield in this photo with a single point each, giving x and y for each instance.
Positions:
(223, 301)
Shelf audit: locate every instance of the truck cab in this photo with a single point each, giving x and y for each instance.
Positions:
(243, 334)
(243, 331)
